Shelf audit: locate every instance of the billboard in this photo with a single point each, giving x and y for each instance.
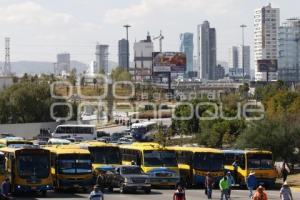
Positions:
(169, 62)
(267, 65)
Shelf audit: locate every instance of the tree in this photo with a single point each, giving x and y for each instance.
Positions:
(280, 137)
(120, 74)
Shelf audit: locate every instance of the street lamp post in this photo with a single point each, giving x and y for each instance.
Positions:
(243, 26)
(127, 26)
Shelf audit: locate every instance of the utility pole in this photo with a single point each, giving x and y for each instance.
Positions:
(127, 26)
(243, 26)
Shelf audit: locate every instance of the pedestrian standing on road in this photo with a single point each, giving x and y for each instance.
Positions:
(235, 165)
(231, 182)
(260, 194)
(96, 194)
(5, 189)
(224, 186)
(285, 170)
(251, 182)
(179, 193)
(209, 184)
(285, 192)
(101, 180)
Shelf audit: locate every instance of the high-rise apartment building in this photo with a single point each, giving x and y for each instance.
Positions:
(289, 52)
(266, 25)
(207, 51)
(63, 63)
(187, 47)
(143, 59)
(123, 43)
(101, 58)
(246, 58)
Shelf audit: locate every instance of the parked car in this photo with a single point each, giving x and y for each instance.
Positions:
(101, 134)
(130, 178)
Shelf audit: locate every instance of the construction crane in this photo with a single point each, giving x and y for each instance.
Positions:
(160, 37)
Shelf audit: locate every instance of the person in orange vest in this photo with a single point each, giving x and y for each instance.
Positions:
(260, 194)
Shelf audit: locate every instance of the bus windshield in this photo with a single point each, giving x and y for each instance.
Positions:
(208, 161)
(33, 165)
(105, 155)
(260, 161)
(74, 164)
(160, 158)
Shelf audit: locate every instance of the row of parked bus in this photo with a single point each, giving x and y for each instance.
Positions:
(76, 165)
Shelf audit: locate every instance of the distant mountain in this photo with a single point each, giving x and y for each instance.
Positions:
(40, 67)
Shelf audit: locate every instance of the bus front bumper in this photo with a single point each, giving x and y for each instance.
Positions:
(70, 184)
(266, 182)
(164, 181)
(28, 188)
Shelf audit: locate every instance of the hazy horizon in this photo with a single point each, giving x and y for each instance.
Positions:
(40, 29)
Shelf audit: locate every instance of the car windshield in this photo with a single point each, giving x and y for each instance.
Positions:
(160, 158)
(34, 165)
(131, 170)
(208, 161)
(74, 164)
(260, 161)
(105, 155)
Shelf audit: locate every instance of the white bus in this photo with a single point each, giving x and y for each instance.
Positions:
(75, 132)
(143, 130)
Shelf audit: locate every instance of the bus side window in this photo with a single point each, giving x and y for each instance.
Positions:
(139, 158)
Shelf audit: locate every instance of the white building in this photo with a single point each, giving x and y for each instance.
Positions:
(5, 82)
(143, 59)
(63, 63)
(207, 51)
(289, 54)
(266, 25)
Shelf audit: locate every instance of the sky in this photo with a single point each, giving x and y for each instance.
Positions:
(39, 29)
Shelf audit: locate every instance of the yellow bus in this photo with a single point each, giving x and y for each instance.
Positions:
(71, 167)
(28, 168)
(104, 156)
(259, 161)
(2, 167)
(14, 141)
(195, 162)
(155, 160)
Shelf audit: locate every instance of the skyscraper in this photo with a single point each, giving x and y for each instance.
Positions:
(187, 46)
(233, 60)
(123, 53)
(101, 58)
(266, 24)
(207, 56)
(63, 63)
(289, 54)
(246, 58)
(143, 59)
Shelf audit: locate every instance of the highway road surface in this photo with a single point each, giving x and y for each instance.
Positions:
(157, 195)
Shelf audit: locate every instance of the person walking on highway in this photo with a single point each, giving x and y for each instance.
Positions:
(231, 182)
(260, 194)
(5, 188)
(224, 186)
(209, 184)
(251, 182)
(179, 193)
(285, 192)
(96, 194)
(101, 180)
